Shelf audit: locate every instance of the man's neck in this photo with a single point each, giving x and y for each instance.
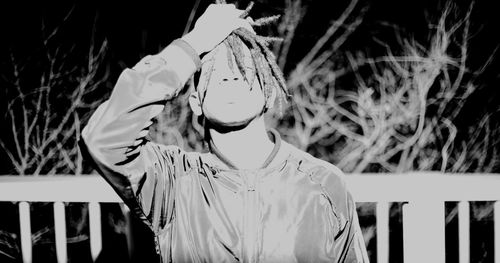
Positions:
(247, 148)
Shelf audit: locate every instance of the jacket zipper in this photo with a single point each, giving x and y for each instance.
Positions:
(250, 219)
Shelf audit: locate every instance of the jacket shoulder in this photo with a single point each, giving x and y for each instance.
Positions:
(181, 160)
(331, 179)
(320, 171)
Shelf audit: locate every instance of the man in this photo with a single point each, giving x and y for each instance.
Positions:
(253, 197)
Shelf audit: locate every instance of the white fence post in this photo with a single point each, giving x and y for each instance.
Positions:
(464, 231)
(95, 231)
(25, 227)
(496, 218)
(60, 232)
(382, 215)
(424, 231)
(128, 219)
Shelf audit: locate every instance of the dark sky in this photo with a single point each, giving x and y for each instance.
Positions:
(164, 18)
(141, 27)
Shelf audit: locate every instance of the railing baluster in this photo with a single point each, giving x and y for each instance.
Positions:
(25, 229)
(128, 220)
(496, 218)
(407, 232)
(60, 232)
(424, 231)
(464, 231)
(95, 229)
(382, 232)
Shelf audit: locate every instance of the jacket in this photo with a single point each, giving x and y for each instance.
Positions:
(295, 208)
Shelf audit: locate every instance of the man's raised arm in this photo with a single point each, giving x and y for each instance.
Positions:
(117, 128)
(114, 138)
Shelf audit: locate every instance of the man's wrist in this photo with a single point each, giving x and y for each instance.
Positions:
(180, 57)
(193, 41)
(189, 49)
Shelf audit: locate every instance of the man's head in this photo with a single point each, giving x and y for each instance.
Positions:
(224, 94)
(240, 79)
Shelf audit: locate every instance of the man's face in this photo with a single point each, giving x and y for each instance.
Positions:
(227, 99)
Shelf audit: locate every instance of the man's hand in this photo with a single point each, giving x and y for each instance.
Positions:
(218, 21)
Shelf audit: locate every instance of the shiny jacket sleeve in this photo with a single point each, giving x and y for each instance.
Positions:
(349, 245)
(141, 172)
(349, 242)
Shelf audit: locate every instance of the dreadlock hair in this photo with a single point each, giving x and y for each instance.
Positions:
(268, 72)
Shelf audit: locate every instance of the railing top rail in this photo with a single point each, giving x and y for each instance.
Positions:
(88, 188)
(364, 187)
(426, 186)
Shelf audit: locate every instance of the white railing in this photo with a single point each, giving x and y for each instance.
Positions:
(423, 195)
(59, 190)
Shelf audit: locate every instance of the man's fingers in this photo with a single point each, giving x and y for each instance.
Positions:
(216, 23)
(221, 9)
(211, 6)
(238, 12)
(245, 23)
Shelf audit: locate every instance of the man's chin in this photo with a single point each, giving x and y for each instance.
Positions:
(224, 126)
